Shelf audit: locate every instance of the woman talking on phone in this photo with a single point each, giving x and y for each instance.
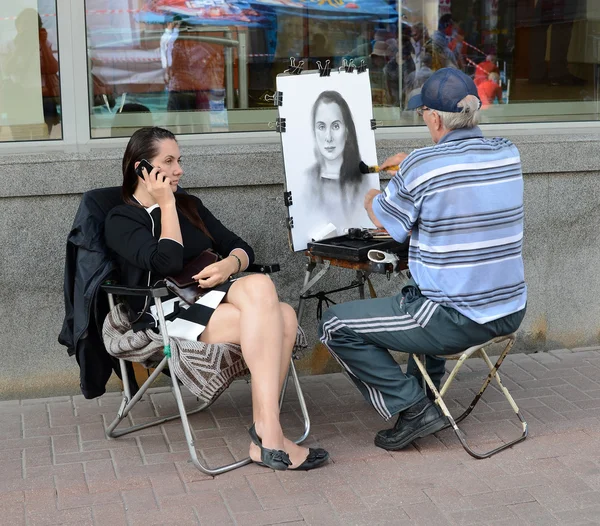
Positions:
(156, 232)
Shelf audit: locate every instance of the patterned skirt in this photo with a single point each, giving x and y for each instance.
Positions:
(189, 321)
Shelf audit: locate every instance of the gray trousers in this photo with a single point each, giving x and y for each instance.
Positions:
(360, 334)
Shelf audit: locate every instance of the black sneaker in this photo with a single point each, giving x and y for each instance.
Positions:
(419, 420)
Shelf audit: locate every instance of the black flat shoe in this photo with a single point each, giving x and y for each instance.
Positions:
(271, 458)
(316, 457)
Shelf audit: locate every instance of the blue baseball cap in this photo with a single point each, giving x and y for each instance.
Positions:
(444, 90)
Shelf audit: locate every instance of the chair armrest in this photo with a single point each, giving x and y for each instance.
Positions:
(157, 292)
(263, 269)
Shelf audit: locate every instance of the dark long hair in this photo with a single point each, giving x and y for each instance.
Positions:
(350, 172)
(144, 144)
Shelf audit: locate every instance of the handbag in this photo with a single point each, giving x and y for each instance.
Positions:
(183, 285)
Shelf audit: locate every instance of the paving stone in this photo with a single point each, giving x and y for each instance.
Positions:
(79, 496)
(260, 518)
(589, 513)
(594, 350)
(12, 430)
(386, 517)
(21, 443)
(13, 514)
(95, 431)
(173, 516)
(49, 431)
(94, 445)
(75, 516)
(543, 357)
(487, 515)
(525, 480)
(102, 470)
(67, 458)
(109, 514)
(534, 517)
(241, 499)
(56, 473)
(211, 510)
(399, 495)
(153, 444)
(426, 514)
(38, 500)
(342, 499)
(62, 471)
(139, 499)
(38, 456)
(320, 515)
(36, 418)
(272, 495)
(448, 498)
(553, 498)
(585, 500)
(560, 353)
(582, 382)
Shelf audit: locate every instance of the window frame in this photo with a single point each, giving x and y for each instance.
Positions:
(76, 118)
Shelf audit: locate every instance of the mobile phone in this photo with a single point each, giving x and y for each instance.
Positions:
(143, 164)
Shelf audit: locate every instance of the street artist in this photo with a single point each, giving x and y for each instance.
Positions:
(462, 202)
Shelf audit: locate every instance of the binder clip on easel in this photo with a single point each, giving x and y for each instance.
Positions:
(324, 71)
(295, 69)
(347, 66)
(381, 257)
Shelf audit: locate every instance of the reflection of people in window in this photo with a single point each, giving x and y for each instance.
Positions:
(489, 90)
(415, 80)
(197, 72)
(50, 81)
(166, 47)
(30, 80)
(337, 184)
(483, 70)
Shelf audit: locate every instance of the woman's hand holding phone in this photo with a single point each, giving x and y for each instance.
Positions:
(158, 186)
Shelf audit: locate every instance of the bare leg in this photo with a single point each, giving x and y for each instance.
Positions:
(266, 331)
(297, 453)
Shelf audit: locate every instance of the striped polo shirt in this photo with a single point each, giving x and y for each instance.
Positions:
(462, 199)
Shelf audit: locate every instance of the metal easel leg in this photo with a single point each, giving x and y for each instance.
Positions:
(310, 266)
(360, 276)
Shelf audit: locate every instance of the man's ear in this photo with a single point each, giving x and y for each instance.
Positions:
(438, 121)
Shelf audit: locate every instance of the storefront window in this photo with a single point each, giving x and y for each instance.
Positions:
(29, 71)
(532, 60)
(200, 66)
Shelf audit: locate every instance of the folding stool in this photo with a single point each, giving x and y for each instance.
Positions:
(476, 350)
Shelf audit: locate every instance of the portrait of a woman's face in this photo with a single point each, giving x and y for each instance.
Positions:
(327, 135)
(330, 131)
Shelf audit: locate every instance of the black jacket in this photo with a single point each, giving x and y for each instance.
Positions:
(87, 266)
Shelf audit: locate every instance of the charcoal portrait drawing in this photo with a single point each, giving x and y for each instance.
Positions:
(328, 122)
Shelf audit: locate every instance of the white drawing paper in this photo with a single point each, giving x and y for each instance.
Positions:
(327, 134)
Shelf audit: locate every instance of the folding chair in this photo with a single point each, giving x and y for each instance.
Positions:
(129, 401)
(95, 205)
(476, 350)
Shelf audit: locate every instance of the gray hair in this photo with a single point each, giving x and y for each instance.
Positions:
(468, 117)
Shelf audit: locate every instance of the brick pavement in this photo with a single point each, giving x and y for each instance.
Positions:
(58, 468)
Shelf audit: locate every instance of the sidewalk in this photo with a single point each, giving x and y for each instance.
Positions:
(58, 468)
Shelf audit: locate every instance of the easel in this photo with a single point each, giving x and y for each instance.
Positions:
(340, 254)
(363, 268)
